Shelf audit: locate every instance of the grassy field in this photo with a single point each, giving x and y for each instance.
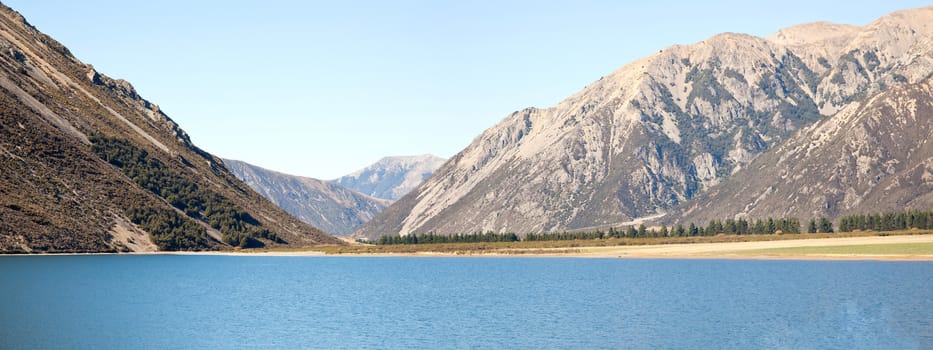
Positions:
(863, 249)
(571, 246)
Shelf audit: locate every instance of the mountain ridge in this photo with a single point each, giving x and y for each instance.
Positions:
(658, 131)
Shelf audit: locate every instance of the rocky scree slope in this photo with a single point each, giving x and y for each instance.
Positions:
(875, 155)
(662, 130)
(325, 205)
(87, 165)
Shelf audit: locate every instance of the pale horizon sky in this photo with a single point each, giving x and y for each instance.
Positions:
(321, 89)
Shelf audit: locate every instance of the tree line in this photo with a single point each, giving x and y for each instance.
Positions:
(914, 218)
(728, 226)
(429, 238)
(876, 222)
(714, 227)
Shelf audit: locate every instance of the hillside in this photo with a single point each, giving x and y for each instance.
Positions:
(325, 205)
(662, 130)
(87, 165)
(873, 156)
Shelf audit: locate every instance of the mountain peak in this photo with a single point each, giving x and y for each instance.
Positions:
(811, 33)
(919, 18)
(402, 160)
(392, 177)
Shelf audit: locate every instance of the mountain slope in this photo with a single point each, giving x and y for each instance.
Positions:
(875, 155)
(322, 204)
(661, 130)
(87, 165)
(392, 177)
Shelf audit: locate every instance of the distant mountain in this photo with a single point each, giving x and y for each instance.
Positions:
(392, 177)
(665, 129)
(87, 165)
(330, 205)
(325, 205)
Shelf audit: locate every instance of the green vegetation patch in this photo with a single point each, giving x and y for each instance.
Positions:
(172, 231)
(706, 85)
(862, 249)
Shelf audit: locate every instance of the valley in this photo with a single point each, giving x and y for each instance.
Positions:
(814, 124)
(611, 175)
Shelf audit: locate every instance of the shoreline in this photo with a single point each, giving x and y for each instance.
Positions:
(316, 254)
(756, 250)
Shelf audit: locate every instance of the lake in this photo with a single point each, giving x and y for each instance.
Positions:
(224, 302)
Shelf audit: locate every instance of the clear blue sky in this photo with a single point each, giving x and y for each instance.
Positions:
(322, 88)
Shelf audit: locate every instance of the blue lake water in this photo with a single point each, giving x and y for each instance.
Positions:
(221, 302)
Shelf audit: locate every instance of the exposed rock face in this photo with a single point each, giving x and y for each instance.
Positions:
(322, 204)
(874, 155)
(392, 177)
(59, 118)
(661, 130)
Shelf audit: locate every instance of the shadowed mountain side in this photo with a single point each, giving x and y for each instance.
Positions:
(325, 205)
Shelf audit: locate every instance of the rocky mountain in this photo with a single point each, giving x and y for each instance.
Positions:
(87, 165)
(322, 204)
(874, 155)
(662, 130)
(392, 177)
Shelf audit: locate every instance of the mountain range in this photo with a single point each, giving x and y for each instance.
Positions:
(87, 165)
(330, 206)
(814, 120)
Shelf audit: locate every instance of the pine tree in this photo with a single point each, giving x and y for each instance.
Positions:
(760, 227)
(826, 226)
(731, 227)
(742, 227)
